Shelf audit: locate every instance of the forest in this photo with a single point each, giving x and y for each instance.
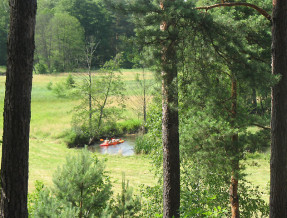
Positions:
(199, 85)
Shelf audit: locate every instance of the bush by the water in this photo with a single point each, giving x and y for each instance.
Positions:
(75, 137)
(80, 136)
(129, 126)
(142, 145)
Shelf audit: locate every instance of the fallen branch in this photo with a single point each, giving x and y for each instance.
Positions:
(231, 4)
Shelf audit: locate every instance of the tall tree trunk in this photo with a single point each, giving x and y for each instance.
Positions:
(17, 109)
(233, 190)
(278, 163)
(170, 135)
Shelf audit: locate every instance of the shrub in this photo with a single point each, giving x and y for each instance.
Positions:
(151, 201)
(70, 82)
(142, 145)
(75, 137)
(125, 204)
(49, 206)
(79, 135)
(81, 189)
(60, 90)
(33, 198)
(41, 68)
(130, 126)
(49, 85)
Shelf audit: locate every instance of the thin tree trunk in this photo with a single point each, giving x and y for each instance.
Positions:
(170, 134)
(144, 100)
(254, 101)
(17, 109)
(90, 102)
(233, 190)
(278, 163)
(105, 102)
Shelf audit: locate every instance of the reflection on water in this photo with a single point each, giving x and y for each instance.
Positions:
(125, 149)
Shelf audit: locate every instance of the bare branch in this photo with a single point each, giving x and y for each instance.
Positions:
(231, 4)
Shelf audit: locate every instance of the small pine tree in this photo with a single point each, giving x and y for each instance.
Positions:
(81, 189)
(70, 82)
(125, 204)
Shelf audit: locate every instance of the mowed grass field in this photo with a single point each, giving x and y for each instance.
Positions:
(52, 115)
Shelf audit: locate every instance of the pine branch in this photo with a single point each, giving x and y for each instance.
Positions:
(230, 4)
(261, 126)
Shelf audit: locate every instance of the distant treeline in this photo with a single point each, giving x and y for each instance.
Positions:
(65, 27)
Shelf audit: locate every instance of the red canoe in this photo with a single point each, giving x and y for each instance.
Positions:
(112, 142)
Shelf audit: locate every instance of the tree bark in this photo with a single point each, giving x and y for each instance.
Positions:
(233, 190)
(17, 109)
(170, 124)
(278, 163)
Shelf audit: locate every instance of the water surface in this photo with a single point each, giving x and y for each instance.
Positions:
(125, 149)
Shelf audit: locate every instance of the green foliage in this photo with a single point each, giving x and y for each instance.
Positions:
(75, 137)
(70, 82)
(68, 41)
(102, 101)
(79, 136)
(59, 41)
(207, 65)
(49, 206)
(33, 198)
(143, 145)
(94, 19)
(41, 68)
(151, 200)
(252, 204)
(81, 188)
(125, 204)
(129, 126)
(49, 86)
(66, 89)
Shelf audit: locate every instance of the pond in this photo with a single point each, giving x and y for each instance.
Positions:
(125, 149)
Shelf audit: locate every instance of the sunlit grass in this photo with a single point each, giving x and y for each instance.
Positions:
(50, 117)
(258, 171)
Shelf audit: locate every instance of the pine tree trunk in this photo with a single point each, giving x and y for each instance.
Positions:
(17, 110)
(233, 190)
(278, 163)
(170, 135)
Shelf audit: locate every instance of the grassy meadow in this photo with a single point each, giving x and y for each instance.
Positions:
(52, 115)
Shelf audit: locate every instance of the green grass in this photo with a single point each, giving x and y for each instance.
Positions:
(50, 116)
(258, 172)
(136, 170)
